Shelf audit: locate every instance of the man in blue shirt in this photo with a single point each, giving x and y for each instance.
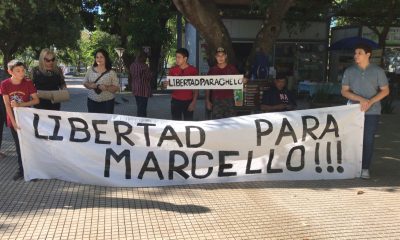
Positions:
(366, 83)
(278, 98)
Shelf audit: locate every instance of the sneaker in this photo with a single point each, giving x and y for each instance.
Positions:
(18, 175)
(365, 174)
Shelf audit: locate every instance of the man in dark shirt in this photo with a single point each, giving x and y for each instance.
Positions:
(278, 98)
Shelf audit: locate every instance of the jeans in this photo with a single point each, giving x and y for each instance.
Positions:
(3, 116)
(370, 127)
(141, 106)
(223, 108)
(179, 110)
(16, 140)
(100, 107)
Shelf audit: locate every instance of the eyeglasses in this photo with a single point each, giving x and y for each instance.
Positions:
(49, 60)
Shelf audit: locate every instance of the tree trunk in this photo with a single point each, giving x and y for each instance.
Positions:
(128, 59)
(269, 31)
(382, 35)
(6, 59)
(154, 62)
(204, 16)
(78, 67)
(155, 55)
(388, 22)
(382, 44)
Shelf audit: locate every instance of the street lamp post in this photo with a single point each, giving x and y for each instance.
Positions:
(120, 51)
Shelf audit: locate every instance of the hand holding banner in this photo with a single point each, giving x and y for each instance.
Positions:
(116, 150)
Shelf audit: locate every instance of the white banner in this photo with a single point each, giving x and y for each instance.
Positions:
(205, 82)
(116, 150)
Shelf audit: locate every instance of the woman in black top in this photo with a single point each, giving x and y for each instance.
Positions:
(48, 76)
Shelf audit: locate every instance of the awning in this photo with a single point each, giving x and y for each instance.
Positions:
(351, 42)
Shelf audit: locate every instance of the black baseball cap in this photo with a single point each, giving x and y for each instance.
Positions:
(183, 51)
(280, 76)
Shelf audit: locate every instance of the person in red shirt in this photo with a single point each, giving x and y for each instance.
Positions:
(183, 102)
(17, 92)
(221, 102)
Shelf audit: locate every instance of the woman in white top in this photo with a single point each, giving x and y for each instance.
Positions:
(102, 83)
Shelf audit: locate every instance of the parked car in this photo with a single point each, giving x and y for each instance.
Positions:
(70, 74)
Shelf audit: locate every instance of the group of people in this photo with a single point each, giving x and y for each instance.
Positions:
(183, 102)
(19, 91)
(219, 102)
(363, 83)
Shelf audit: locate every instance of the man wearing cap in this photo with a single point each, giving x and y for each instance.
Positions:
(278, 98)
(221, 102)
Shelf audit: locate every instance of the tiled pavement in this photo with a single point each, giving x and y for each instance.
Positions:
(341, 209)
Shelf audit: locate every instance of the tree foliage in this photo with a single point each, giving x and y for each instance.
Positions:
(37, 24)
(91, 41)
(377, 15)
(82, 55)
(373, 14)
(138, 23)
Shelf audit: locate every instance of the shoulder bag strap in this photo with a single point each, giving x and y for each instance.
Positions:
(101, 76)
